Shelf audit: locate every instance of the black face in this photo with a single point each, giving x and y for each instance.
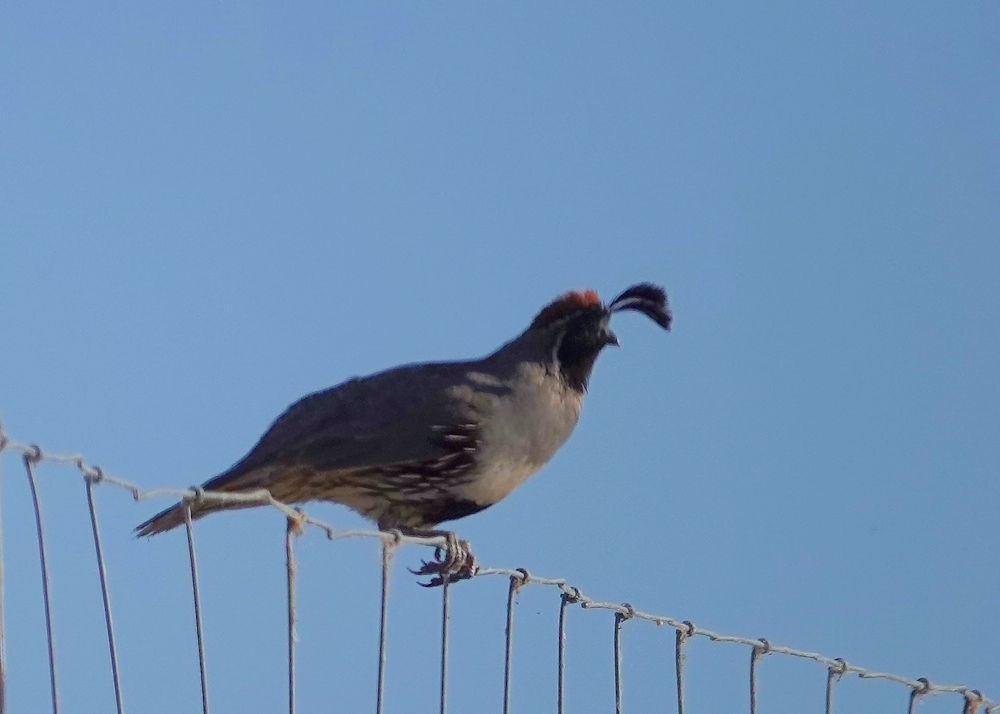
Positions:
(583, 339)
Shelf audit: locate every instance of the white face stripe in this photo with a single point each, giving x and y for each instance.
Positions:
(563, 323)
(557, 345)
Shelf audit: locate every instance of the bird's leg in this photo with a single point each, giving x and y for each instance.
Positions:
(453, 562)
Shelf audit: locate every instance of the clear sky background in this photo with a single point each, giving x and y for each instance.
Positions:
(208, 210)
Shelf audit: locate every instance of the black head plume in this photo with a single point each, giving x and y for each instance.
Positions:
(649, 299)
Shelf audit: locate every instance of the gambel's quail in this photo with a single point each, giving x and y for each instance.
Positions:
(416, 445)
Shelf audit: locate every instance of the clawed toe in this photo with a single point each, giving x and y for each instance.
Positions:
(450, 564)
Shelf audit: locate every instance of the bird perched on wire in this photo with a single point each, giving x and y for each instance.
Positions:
(417, 445)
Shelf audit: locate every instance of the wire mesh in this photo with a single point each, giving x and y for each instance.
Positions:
(973, 701)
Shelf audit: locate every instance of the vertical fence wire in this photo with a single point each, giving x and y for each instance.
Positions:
(916, 693)
(833, 675)
(445, 615)
(196, 594)
(516, 581)
(830, 678)
(3, 635)
(756, 652)
(564, 602)
(29, 466)
(973, 700)
(292, 529)
(620, 618)
(102, 572)
(680, 637)
(388, 549)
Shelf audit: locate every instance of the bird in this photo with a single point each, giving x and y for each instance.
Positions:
(417, 445)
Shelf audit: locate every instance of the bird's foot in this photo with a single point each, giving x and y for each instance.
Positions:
(451, 563)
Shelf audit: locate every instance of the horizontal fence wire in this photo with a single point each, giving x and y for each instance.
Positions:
(837, 668)
(919, 687)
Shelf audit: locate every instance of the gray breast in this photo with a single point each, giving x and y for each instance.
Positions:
(522, 430)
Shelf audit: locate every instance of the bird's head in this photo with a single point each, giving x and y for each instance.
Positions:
(575, 327)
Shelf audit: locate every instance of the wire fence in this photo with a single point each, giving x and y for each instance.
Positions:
(972, 701)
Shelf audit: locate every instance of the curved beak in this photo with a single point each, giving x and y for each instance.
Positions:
(610, 338)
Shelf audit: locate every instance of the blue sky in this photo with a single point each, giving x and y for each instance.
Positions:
(209, 210)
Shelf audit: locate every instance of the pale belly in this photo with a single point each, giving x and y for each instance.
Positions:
(496, 483)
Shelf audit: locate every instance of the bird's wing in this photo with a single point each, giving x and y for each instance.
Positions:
(404, 415)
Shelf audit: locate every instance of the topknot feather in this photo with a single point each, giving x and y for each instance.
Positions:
(565, 305)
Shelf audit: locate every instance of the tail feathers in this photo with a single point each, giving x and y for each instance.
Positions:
(164, 521)
(231, 481)
(174, 516)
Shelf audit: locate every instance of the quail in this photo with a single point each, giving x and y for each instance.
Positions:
(417, 445)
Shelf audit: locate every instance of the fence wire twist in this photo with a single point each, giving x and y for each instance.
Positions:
(972, 700)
